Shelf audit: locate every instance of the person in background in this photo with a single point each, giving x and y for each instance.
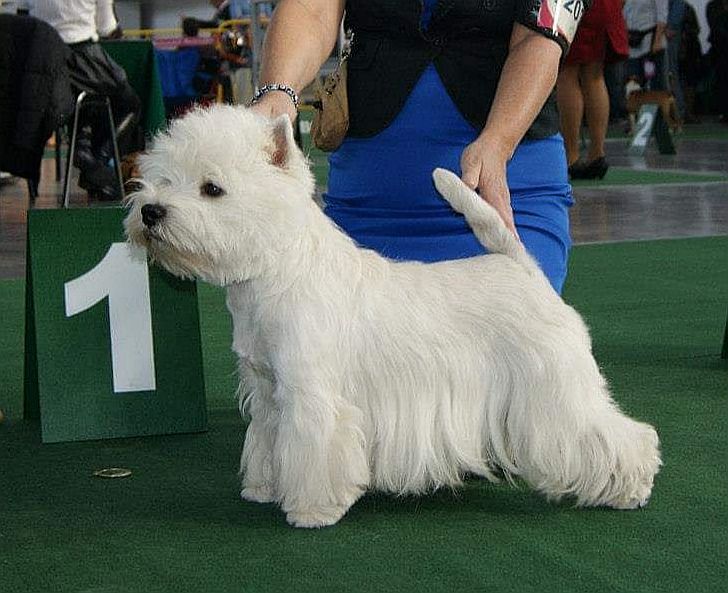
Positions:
(646, 24)
(225, 10)
(581, 90)
(81, 23)
(717, 14)
(230, 65)
(243, 9)
(691, 65)
(673, 33)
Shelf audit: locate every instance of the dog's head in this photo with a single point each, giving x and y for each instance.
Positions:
(222, 193)
(631, 85)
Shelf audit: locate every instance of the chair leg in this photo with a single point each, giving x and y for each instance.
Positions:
(33, 189)
(115, 144)
(72, 150)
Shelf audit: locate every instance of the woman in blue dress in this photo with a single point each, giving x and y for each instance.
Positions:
(380, 189)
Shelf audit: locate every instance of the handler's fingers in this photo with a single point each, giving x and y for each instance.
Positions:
(500, 200)
(471, 172)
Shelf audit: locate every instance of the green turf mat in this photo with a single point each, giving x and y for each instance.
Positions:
(657, 312)
(615, 175)
(625, 176)
(708, 130)
(50, 153)
(319, 165)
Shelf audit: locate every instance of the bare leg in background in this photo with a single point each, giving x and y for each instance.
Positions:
(571, 109)
(596, 106)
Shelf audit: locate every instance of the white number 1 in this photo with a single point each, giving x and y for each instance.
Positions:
(122, 275)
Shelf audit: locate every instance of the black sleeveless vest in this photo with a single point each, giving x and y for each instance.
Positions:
(467, 40)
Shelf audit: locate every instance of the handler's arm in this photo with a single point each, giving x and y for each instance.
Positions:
(527, 79)
(300, 38)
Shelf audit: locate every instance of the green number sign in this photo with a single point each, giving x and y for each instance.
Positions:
(112, 346)
(650, 122)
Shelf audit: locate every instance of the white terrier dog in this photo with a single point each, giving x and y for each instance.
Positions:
(361, 373)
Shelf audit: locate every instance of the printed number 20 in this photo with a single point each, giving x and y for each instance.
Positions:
(575, 7)
(122, 276)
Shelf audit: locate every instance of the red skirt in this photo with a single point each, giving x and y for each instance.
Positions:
(601, 36)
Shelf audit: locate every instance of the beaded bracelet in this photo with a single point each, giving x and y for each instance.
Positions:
(275, 86)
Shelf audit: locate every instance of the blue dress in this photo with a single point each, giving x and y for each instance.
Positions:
(380, 189)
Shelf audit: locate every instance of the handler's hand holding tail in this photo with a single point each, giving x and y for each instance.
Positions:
(484, 170)
(529, 73)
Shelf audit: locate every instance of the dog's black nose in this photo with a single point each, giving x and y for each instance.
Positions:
(152, 214)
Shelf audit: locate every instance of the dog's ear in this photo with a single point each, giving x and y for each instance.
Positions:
(283, 141)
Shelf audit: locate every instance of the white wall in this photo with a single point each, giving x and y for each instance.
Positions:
(128, 14)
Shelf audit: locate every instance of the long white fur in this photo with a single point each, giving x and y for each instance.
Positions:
(360, 373)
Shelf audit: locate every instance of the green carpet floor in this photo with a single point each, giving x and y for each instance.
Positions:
(709, 129)
(626, 176)
(657, 312)
(615, 175)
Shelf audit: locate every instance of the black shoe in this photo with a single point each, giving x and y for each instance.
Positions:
(85, 157)
(101, 183)
(595, 169)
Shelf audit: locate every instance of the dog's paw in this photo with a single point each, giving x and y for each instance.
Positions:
(633, 501)
(262, 494)
(630, 505)
(315, 517)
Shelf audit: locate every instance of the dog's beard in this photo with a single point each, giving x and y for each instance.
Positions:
(184, 264)
(165, 249)
(177, 248)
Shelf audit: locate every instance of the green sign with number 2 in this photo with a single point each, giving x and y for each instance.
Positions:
(112, 346)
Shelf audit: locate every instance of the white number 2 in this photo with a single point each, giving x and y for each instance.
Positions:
(121, 275)
(644, 127)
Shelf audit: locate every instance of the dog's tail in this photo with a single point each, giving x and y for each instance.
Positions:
(483, 218)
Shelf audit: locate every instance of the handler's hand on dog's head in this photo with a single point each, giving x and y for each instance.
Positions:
(484, 171)
(273, 104)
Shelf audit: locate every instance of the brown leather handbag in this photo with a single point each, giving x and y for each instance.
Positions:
(331, 117)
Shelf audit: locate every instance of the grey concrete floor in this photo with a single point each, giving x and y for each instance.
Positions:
(602, 213)
(660, 211)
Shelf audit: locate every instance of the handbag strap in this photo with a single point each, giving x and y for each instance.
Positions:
(349, 34)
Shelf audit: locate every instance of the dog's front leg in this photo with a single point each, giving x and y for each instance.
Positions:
(320, 457)
(256, 462)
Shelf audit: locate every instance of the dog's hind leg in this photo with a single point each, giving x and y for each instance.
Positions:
(573, 440)
(612, 463)
(320, 457)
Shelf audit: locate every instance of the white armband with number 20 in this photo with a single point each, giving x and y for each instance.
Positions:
(559, 19)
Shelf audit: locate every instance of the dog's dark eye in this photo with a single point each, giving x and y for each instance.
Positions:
(212, 190)
(133, 186)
